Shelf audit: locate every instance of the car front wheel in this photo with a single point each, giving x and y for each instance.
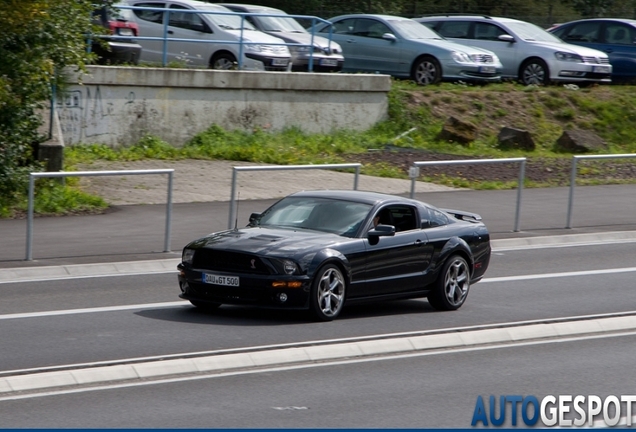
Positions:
(427, 70)
(451, 288)
(223, 61)
(534, 71)
(327, 293)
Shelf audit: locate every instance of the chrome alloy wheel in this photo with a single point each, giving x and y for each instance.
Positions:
(457, 282)
(330, 292)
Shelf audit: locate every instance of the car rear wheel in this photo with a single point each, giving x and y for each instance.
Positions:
(327, 293)
(205, 305)
(224, 61)
(534, 71)
(451, 288)
(427, 70)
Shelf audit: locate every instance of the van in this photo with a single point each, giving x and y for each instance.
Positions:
(201, 34)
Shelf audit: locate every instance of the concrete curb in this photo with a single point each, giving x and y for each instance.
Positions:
(223, 363)
(21, 274)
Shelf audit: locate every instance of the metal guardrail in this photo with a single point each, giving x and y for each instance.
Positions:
(575, 159)
(236, 169)
(414, 173)
(33, 176)
(165, 39)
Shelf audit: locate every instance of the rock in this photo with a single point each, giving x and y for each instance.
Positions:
(580, 141)
(458, 131)
(511, 138)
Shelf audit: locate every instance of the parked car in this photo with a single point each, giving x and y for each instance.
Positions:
(402, 48)
(320, 250)
(614, 36)
(327, 56)
(528, 53)
(216, 40)
(112, 50)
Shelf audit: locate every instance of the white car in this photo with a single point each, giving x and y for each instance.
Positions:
(233, 42)
(528, 52)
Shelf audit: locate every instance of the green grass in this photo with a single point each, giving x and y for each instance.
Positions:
(609, 111)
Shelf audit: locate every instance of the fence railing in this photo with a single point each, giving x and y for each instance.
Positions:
(237, 169)
(241, 42)
(414, 173)
(33, 176)
(575, 159)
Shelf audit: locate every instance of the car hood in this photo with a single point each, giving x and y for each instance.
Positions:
(454, 46)
(268, 241)
(256, 37)
(304, 38)
(569, 48)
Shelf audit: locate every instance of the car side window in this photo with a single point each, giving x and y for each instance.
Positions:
(436, 218)
(148, 15)
(186, 20)
(486, 31)
(370, 28)
(620, 34)
(344, 26)
(582, 32)
(402, 217)
(454, 29)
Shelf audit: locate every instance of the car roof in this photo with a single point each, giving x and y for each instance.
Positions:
(196, 4)
(380, 16)
(622, 20)
(471, 17)
(367, 197)
(253, 8)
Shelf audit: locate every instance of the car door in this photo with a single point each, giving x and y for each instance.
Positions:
(484, 35)
(364, 48)
(150, 24)
(397, 264)
(186, 25)
(619, 42)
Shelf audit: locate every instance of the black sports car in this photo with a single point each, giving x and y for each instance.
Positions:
(321, 249)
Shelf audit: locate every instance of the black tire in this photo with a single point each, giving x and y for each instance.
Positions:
(327, 293)
(427, 70)
(223, 61)
(534, 72)
(205, 305)
(452, 285)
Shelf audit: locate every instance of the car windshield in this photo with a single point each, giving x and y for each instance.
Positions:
(318, 214)
(227, 22)
(409, 29)
(279, 24)
(531, 32)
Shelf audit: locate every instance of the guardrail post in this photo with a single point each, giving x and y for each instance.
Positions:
(568, 222)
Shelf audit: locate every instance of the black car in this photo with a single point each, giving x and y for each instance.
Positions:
(113, 50)
(319, 250)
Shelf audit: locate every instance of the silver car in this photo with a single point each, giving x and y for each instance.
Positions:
(528, 53)
(205, 34)
(403, 48)
(326, 56)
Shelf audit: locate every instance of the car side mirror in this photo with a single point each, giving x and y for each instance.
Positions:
(254, 217)
(506, 38)
(380, 231)
(389, 36)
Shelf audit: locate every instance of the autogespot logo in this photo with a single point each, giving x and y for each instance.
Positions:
(561, 411)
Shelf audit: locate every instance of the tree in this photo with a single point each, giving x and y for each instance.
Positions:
(38, 39)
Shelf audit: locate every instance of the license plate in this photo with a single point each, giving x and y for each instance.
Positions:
(126, 32)
(210, 278)
(328, 62)
(600, 69)
(280, 62)
(487, 69)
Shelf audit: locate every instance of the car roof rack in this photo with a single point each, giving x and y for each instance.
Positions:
(457, 14)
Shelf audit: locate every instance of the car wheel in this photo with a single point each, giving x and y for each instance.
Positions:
(205, 305)
(224, 61)
(427, 70)
(534, 71)
(327, 293)
(451, 288)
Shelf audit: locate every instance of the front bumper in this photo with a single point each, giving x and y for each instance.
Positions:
(271, 63)
(254, 289)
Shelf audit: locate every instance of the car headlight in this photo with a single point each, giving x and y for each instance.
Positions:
(253, 47)
(285, 266)
(461, 57)
(298, 49)
(187, 256)
(569, 57)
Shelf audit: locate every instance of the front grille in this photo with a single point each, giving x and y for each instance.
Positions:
(233, 262)
(482, 58)
(596, 60)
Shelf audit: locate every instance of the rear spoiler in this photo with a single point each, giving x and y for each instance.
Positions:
(462, 215)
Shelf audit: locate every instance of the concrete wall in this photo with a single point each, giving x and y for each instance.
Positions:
(119, 105)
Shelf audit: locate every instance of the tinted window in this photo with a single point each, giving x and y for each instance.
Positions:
(581, 32)
(187, 20)
(437, 218)
(454, 29)
(620, 34)
(343, 27)
(486, 31)
(152, 16)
